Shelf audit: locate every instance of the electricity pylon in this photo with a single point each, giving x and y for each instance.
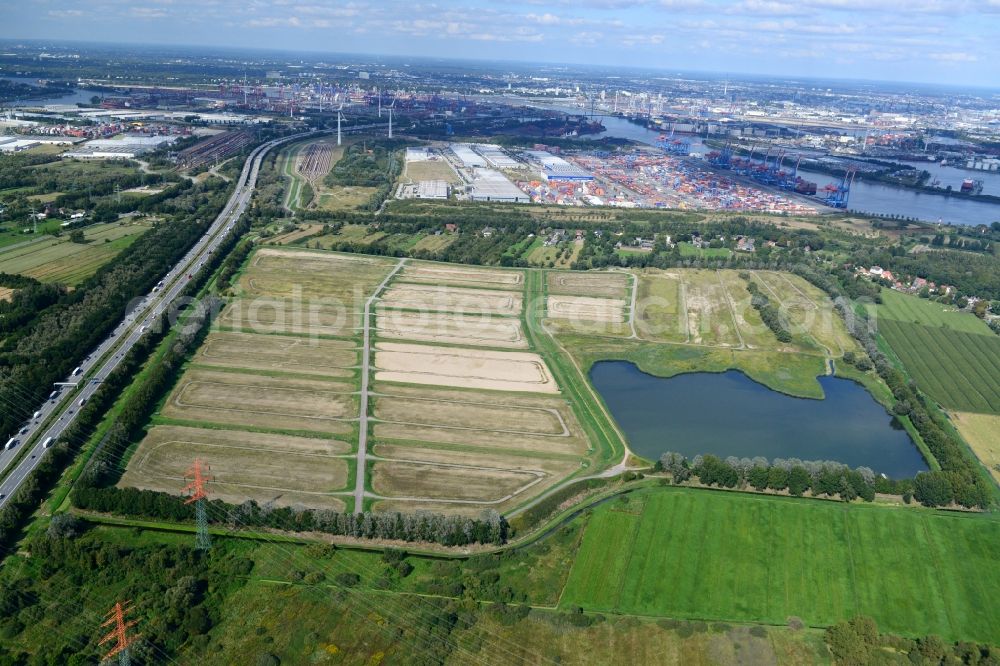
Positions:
(119, 633)
(199, 478)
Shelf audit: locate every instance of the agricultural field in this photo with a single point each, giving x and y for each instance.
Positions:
(687, 553)
(270, 399)
(460, 276)
(915, 310)
(959, 370)
(60, 260)
(466, 415)
(6, 293)
(953, 356)
(982, 432)
(285, 469)
(594, 284)
(454, 300)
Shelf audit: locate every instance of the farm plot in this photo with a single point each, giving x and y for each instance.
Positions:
(463, 368)
(60, 260)
(411, 479)
(959, 370)
(982, 432)
(914, 572)
(454, 300)
(334, 278)
(586, 308)
(915, 310)
(477, 421)
(445, 328)
(283, 469)
(597, 284)
(459, 449)
(312, 356)
(290, 316)
(250, 400)
(461, 276)
(6, 293)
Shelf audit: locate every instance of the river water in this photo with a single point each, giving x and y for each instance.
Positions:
(81, 96)
(729, 414)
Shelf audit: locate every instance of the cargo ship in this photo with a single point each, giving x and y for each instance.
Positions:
(970, 186)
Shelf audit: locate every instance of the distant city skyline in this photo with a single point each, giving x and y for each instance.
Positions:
(933, 41)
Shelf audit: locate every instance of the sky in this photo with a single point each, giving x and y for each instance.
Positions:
(937, 41)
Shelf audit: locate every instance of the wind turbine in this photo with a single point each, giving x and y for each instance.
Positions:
(339, 118)
(379, 93)
(390, 116)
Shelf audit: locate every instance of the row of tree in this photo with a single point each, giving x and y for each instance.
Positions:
(768, 313)
(490, 528)
(826, 477)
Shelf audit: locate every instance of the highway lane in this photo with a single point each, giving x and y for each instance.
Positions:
(48, 422)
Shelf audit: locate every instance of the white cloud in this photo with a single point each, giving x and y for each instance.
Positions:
(953, 56)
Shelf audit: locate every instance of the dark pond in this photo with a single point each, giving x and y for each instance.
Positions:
(729, 414)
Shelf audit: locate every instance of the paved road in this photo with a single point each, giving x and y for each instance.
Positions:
(50, 420)
(359, 483)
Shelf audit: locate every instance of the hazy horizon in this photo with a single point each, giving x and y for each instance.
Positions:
(923, 41)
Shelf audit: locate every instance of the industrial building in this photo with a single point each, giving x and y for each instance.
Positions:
(125, 148)
(467, 156)
(556, 168)
(491, 185)
(417, 155)
(432, 189)
(14, 145)
(495, 156)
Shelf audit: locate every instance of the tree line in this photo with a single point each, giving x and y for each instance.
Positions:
(768, 313)
(825, 477)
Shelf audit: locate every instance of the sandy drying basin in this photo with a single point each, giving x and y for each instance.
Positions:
(463, 368)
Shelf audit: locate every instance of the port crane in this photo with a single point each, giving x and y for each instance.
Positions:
(839, 195)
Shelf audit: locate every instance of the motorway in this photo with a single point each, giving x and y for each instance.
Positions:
(52, 419)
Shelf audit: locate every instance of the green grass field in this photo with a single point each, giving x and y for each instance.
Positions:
(60, 260)
(953, 356)
(959, 370)
(688, 250)
(726, 556)
(915, 310)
